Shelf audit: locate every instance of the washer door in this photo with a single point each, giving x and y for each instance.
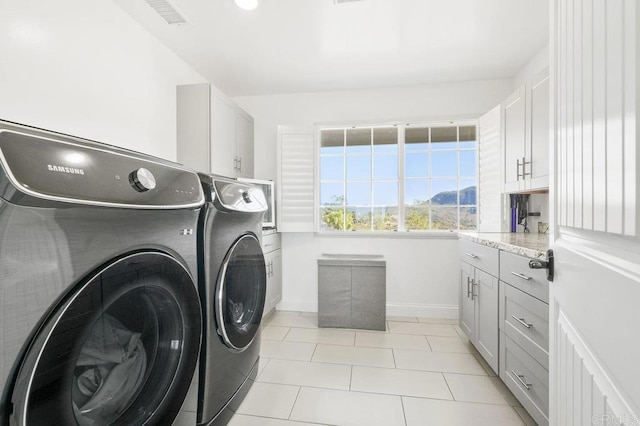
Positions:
(120, 349)
(240, 292)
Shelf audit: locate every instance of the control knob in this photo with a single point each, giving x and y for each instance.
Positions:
(142, 180)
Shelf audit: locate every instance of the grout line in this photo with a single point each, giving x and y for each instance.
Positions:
(448, 386)
(404, 414)
(287, 333)
(294, 403)
(429, 344)
(314, 352)
(275, 418)
(261, 370)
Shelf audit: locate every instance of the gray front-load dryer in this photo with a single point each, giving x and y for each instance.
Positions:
(100, 320)
(232, 278)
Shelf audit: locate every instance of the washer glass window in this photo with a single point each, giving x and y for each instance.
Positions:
(241, 292)
(122, 349)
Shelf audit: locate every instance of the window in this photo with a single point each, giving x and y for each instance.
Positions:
(398, 178)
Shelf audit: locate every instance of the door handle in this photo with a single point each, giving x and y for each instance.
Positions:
(521, 380)
(524, 163)
(473, 284)
(522, 321)
(524, 277)
(541, 264)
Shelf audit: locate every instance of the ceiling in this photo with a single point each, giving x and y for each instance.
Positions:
(288, 46)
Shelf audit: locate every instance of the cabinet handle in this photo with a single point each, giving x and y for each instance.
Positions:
(473, 285)
(522, 321)
(524, 277)
(524, 163)
(471, 255)
(240, 164)
(235, 164)
(518, 169)
(468, 288)
(521, 380)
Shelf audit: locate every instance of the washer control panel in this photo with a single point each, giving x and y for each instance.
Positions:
(56, 167)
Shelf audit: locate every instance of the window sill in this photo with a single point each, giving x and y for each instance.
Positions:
(442, 235)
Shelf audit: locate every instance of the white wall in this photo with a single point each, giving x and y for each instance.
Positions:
(87, 69)
(422, 274)
(539, 62)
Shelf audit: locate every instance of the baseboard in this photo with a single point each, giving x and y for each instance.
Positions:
(394, 309)
(423, 311)
(298, 305)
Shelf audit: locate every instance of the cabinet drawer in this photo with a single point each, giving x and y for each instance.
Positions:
(525, 320)
(270, 242)
(482, 257)
(528, 380)
(515, 270)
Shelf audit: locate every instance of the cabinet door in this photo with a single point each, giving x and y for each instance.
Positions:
(223, 135)
(244, 144)
(467, 308)
(274, 283)
(192, 126)
(486, 300)
(514, 119)
(538, 152)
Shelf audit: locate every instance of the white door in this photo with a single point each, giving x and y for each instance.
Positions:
(595, 294)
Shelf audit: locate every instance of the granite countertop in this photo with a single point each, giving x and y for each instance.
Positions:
(525, 244)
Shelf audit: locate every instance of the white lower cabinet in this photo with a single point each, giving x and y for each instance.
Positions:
(504, 311)
(479, 302)
(273, 263)
(524, 334)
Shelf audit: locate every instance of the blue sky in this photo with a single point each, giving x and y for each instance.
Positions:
(418, 160)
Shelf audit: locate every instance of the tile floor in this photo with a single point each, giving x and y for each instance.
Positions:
(420, 371)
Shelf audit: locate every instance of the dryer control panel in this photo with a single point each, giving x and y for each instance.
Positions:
(61, 168)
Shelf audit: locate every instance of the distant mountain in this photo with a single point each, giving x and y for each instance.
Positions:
(448, 198)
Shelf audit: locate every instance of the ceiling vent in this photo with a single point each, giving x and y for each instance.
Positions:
(168, 11)
(345, 1)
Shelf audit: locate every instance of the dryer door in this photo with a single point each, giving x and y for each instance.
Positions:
(120, 349)
(240, 292)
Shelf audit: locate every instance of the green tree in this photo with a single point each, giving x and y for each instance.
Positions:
(334, 217)
(417, 218)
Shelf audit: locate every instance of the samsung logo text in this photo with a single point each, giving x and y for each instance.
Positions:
(63, 169)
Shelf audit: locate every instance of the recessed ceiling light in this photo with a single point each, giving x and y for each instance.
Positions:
(247, 4)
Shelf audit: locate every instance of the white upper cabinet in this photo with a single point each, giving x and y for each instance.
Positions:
(214, 134)
(525, 116)
(244, 144)
(538, 102)
(223, 135)
(514, 121)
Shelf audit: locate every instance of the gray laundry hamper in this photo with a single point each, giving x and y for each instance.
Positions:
(352, 291)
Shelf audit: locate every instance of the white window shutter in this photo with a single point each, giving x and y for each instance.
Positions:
(295, 185)
(489, 179)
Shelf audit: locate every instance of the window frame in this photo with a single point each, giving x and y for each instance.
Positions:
(318, 128)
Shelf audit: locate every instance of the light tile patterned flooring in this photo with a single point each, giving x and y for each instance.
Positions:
(420, 371)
